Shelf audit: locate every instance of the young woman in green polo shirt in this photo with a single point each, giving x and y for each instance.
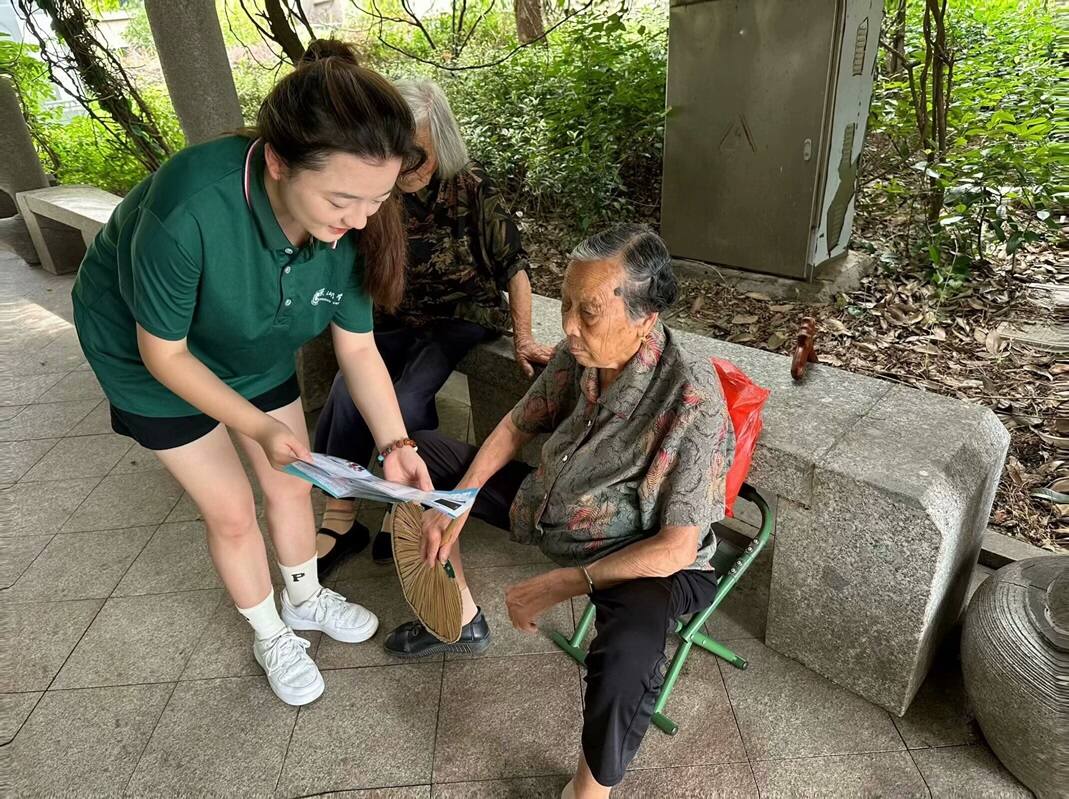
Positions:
(193, 300)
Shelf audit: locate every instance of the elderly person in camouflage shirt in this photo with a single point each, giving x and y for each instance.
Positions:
(464, 252)
(628, 485)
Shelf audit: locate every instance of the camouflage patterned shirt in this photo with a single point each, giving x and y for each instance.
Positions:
(651, 451)
(464, 247)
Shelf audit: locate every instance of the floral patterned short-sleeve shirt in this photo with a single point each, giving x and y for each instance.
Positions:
(650, 452)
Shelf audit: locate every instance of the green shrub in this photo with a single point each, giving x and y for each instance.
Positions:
(82, 151)
(253, 82)
(29, 75)
(574, 128)
(1002, 175)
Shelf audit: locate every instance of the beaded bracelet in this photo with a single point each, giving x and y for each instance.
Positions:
(401, 442)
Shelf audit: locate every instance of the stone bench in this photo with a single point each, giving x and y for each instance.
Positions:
(883, 495)
(85, 209)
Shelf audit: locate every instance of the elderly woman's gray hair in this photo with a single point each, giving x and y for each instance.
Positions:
(650, 284)
(430, 107)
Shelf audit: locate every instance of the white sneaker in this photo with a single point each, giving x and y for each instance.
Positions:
(329, 612)
(292, 675)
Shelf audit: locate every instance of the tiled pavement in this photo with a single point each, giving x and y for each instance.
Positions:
(127, 671)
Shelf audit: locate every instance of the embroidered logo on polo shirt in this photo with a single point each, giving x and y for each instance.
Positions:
(326, 295)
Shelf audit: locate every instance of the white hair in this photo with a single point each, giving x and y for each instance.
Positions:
(431, 107)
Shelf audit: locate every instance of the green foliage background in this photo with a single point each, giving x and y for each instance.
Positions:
(1005, 172)
(573, 129)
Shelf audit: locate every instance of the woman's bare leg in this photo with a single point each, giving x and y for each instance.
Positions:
(211, 473)
(287, 499)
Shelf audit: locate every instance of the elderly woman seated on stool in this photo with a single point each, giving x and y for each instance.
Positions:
(628, 485)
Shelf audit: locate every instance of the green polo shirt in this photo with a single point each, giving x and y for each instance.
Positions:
(195, 252)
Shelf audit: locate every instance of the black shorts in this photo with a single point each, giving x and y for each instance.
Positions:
(168, 432)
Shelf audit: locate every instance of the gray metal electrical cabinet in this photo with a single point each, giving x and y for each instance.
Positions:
(767, 104)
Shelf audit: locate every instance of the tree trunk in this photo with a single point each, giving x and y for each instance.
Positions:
(942, 59)
(898, 40)
(529, 24)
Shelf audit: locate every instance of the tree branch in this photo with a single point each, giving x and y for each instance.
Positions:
(497, 61)
(103, 74)
(282, 31)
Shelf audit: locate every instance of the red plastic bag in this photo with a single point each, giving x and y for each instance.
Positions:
(745, 399)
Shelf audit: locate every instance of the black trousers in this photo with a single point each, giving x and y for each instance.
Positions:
(419, 360)
(626, 663)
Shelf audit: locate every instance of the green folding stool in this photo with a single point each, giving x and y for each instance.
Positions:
(730, 562)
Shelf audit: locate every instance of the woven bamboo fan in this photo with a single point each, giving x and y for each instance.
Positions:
(431, 592)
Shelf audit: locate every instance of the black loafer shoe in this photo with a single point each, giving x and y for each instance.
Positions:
(345, 544)
(411, 640)
(382, 548)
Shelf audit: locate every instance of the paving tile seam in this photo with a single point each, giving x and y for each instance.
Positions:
(920, 772)
(99, 599)
(381, 787)
(94, 488)
(52, 681)
(29, 407)
(34, 399)
(148, 740)
(207, 624)
(828, 755)
(16, 602)
(640, 769)
(289, 742)
(401, 663)
(979, 741)
(502, 779)
(15, 734)
(113, 595)
(107, 474)
(23, 481)
(78, 507)
(720, 665)
(482, 658)
(148, 683)
(166, 593)
(27, 568)
(738, 728)
(103, 530)
(437, 721)
(43, 455)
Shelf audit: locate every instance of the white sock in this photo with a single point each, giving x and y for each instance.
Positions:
(468, 608)
(264, 618)
(302, 581)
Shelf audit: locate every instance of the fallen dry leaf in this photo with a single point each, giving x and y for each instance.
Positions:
(775, 341)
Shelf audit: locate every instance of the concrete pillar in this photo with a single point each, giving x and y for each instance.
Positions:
(21, 170)
(190, 45)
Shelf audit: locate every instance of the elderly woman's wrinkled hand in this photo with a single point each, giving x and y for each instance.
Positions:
(530, 353)
(528, 600)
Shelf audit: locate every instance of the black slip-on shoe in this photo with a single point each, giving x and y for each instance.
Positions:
(411, 640)
(382, 548)
(345, 544)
